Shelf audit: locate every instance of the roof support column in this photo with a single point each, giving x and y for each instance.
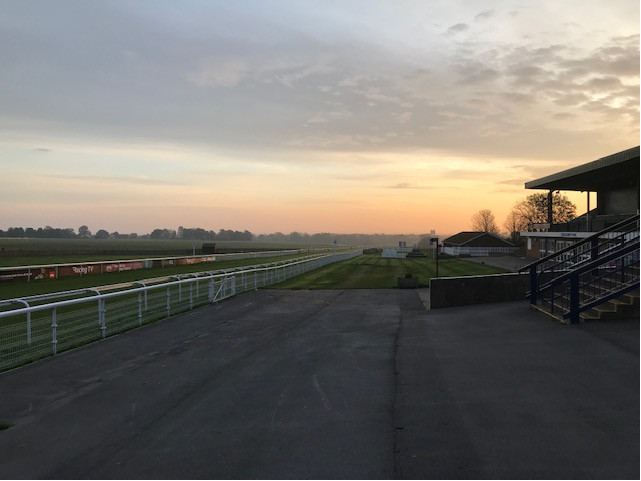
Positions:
(550, 208)
(588, 228)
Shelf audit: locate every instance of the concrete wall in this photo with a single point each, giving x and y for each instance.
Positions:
(463, 291)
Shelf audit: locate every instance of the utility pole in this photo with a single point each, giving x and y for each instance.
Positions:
(434, 240)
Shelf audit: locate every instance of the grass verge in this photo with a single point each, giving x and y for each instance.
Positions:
(370, 271)
(12, 290)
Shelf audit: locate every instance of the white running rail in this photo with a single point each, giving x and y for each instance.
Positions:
(28, 333)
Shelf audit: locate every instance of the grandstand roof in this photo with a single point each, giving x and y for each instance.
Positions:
(621, 168)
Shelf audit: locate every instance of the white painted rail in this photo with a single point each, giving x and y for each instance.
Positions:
(31, 332)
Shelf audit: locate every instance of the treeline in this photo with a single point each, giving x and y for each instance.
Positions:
(39, 233)
(197, 233)
(365, 240)
(200, 234)
(166, 234)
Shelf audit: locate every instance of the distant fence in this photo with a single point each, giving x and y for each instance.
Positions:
(56, 271)
(477, 251)
(31, 332)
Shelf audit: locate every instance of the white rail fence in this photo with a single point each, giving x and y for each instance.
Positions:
(477, 251)
(28, 333)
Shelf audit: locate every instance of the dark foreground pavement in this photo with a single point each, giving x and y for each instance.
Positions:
(332, 384)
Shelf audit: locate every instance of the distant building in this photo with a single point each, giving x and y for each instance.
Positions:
(476, 244)
(396, 252)
(614, 178)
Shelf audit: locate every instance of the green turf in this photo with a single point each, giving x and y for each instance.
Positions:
(373, 272)
(12, 290)
(20, 252)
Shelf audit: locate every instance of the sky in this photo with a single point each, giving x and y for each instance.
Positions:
(344, 116)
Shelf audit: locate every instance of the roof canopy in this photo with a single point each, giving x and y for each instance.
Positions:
(476, 239)
(620, 169)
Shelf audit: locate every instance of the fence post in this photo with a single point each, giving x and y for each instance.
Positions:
(211, 290)
(594, 249)
(101, 315)
(54, 331)
(574, 299)
(533, 286)
(29, 327)
(28, 319)
(168, 301)
(140, 308)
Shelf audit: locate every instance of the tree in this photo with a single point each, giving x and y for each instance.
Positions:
(102, 234)
(83, 231)
(514, 226)
(484, 221)
(157, 234)
(534, 210)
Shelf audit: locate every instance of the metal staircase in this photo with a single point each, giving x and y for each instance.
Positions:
(595, 278)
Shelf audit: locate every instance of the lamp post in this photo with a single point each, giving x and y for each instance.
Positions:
(434, 240)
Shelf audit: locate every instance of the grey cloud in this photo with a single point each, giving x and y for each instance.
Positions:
(118, 179)
(355, 177)
(518, 98)
(218, 75)
(484, 15)
(551, 73)
(473, 74)
(571, 99)
(564, 116)
(221, 73)
(621, 57)
(329, 116)
(458, 28)
(528, 74)
(601, 83)
(516, 182)
(406, 185)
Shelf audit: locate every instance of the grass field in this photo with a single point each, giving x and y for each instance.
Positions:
(373, 272)
(12, 290)
(21, 252)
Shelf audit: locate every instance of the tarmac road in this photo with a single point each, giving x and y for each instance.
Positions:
(332, 384)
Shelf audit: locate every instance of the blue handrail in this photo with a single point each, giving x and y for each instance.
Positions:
(591, 271)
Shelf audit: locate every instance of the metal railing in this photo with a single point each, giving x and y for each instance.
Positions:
(31, 332)
(477, 251)
(587, 273)
(77, 269)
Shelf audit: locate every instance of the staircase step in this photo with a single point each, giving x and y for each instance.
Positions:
(624, 307)
(546, 310)
(587, 317)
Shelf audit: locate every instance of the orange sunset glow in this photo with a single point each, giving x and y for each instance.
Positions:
(345, 117)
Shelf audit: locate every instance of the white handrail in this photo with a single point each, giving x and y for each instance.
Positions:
(201, 274)
(313, 262)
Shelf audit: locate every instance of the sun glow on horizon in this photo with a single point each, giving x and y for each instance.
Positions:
(286, 116)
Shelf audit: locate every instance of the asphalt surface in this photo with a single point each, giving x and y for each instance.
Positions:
(332, 384)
